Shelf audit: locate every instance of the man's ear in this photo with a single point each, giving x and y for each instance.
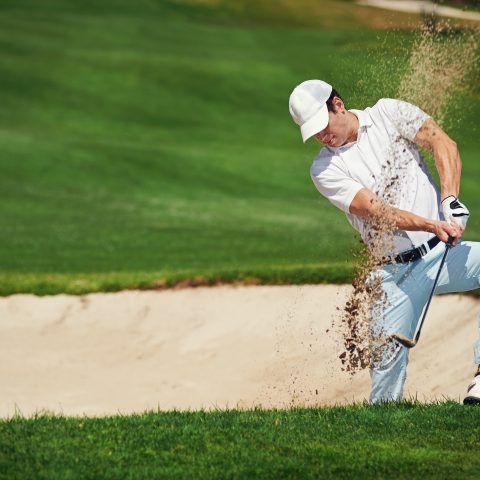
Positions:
(338, 105)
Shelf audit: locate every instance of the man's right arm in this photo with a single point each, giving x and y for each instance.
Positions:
(367, 204)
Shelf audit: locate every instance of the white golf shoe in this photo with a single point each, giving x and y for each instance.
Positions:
(473, 392)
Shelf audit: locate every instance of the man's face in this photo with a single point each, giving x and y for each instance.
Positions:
(337, 131)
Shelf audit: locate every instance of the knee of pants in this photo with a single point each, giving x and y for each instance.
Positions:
(388, 375)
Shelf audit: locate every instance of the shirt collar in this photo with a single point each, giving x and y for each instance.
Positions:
(364, 121)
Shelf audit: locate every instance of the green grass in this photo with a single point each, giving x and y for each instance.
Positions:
(80, 283)
(151, 143)
(405, 440)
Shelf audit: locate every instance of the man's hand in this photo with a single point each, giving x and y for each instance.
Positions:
(443, 230)
(455, 212)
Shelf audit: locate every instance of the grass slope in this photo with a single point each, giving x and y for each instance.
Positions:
(146, 144)
(404, 440)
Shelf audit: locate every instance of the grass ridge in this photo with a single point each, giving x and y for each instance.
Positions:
(42, 283)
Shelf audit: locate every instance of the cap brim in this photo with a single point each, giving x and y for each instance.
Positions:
(316, 124)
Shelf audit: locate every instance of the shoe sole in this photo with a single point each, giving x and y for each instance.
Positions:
(471, 401)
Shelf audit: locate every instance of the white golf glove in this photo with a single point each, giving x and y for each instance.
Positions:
(455, 211)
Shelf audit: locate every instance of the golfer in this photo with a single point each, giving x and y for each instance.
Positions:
(369, 159)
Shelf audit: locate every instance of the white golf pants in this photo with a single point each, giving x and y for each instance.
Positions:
(407, 288)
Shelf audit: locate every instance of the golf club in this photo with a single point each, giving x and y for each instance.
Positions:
(406, 342)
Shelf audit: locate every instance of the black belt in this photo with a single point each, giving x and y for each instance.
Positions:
(416, 253)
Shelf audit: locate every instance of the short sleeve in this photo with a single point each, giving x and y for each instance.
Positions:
(335, 185)
(405, 117)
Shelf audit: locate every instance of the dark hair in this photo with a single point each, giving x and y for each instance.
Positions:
(330, 100)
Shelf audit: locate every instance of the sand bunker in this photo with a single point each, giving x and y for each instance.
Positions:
(204, 348)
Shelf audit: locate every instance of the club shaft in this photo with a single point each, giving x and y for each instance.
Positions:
(447, 248)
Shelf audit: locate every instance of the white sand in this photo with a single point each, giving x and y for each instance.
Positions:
(204, 348)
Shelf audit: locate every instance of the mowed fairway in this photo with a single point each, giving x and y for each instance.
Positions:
(149, 144)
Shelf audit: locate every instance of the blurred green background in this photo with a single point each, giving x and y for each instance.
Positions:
(147, 143)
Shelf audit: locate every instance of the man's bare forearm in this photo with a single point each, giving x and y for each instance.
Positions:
(410, 222)
(367, 204)
(449, 166)
(447, 157)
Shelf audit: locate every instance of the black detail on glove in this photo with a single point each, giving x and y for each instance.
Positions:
(454, 204)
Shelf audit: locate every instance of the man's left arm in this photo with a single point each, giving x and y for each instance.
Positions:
(447, 159)
(449, 166)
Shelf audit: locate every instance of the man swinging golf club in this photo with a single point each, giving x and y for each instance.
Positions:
(363, 151)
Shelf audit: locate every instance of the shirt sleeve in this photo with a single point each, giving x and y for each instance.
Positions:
(405, 117)
(335, 185)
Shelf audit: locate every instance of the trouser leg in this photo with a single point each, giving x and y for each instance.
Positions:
(476, 347)
(407, 288)
(388, 378)
(405, 297)
(460, 274)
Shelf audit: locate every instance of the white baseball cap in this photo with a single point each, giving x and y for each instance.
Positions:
(308, 106)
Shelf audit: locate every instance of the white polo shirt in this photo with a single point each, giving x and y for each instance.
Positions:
(385, 160)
